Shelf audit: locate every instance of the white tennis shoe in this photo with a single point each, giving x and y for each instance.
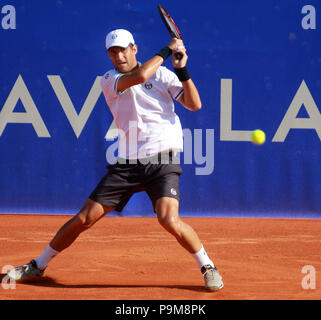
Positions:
(26, 272)
(212, 278)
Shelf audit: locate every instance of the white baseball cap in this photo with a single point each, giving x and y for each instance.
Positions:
(119, 38)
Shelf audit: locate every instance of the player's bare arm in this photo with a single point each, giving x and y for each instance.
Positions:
(124, 60)
(190, 99)
(139, 74)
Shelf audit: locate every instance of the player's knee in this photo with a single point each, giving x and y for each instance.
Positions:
(86, 223)
(170, 223)
(90, 214)
(80, 222)
(84, 220)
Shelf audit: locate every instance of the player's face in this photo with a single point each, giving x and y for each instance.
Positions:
(124, 59)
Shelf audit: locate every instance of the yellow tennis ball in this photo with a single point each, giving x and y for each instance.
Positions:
(258, 137)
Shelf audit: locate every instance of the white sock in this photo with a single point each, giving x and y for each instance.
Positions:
(43, 260)
(202, 258)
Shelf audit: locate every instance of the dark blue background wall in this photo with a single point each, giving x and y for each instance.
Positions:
(260, 47)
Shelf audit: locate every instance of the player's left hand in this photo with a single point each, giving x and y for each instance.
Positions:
(179, 56)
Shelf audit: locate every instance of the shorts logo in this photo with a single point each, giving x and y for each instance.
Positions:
(173, 192)
(148, 85)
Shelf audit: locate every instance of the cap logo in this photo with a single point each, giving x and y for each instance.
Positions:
(114, 36)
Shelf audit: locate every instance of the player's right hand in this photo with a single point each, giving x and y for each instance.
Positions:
(175, 43)
(177, 47)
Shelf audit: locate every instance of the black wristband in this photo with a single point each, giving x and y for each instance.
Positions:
(182, 74)
(164, 53)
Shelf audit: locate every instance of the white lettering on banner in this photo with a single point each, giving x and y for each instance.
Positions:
(32, 115)
(302, 97)
(77, 121)
(226, 133)
(309, 20)
(290, 121)
(9, 20)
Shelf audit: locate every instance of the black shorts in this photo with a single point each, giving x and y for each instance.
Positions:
(158, 176)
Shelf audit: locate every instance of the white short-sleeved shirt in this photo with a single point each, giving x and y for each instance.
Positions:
(144, 114)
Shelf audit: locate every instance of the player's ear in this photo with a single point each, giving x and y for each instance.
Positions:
(135, 48)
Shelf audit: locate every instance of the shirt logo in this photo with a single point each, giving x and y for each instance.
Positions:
(173, 192)
(148, 85)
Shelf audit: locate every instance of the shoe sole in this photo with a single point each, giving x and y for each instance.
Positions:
(26, 279)
(215, 288)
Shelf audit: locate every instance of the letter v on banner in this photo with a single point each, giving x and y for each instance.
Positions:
(77, 121)
(226, 132)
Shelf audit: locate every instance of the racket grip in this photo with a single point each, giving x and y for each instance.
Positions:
(178, 55)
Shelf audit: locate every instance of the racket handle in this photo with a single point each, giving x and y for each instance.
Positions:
(178, 56)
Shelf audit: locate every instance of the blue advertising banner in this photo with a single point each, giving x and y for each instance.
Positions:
(256, 64)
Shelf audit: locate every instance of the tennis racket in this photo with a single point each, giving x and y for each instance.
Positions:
(171, 26)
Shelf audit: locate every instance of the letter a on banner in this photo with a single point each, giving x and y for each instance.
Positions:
(290, 120)
(32, 115)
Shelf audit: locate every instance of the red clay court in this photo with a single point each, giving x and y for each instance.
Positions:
(135, 259)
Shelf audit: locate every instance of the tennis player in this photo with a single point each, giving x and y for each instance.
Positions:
(140, 97)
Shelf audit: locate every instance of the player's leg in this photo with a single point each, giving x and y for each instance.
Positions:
(168, 216)
(112, 192)
(91, 212)
(167, 213)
